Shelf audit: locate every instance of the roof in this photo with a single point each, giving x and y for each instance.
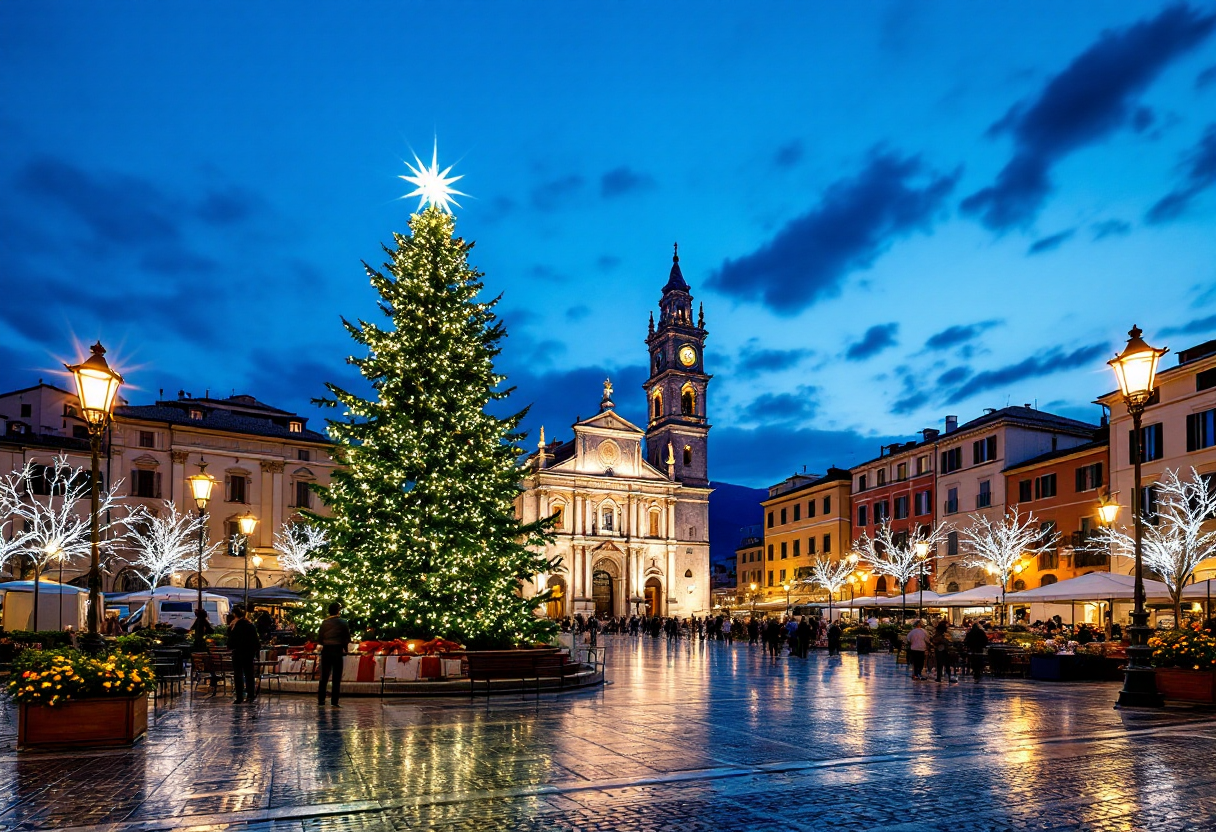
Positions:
(1102, 440)
(675, 280)
(38, 386)
(834, 474)
(216, 418)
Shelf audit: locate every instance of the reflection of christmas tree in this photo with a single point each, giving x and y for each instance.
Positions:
(423, 538)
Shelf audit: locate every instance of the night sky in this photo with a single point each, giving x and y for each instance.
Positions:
(892, 212)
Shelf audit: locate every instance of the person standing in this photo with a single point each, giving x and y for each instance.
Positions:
(803, 634)
(244, 643)
(834, 633)
(334, 636)
(918, 643)
(201, 626)
(943, 651)
(975, 643)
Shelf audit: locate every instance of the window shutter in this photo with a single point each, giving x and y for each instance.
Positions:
(1081, 479)
(158, 485)
(1098, 481)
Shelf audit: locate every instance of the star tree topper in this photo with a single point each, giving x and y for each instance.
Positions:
(431, 184)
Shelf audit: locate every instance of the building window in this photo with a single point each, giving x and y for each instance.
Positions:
(810, 545)
(827, 544)
(952, 544)
(608, 521)
(922, 465)
(924, 501)
(951, 501)
(880, 477)
(797, 547)
(797, 512)
(1150, 443)
(196, 415)
(983, 450)
(901, 508)
(1089, 477)
(1025, 492)
(862, 519)
(80, 432)
(783, 517)
(861, 483)
(303, 494)
(901, 471)
(654, 524)
(145, 483)
(827, 505)
(1205, 380)
(770, 577)
(770, 519)
(687, 455)
(952, 460)
(1148, 504)
(882, 511)
(770, 551)
(27, 411)
(238, 488)
(984, 498)
(784, 551)
(810, 508)
(782, 576)
(295, 427)
(1201, 430)
(304, 455)
(147, 439)
(1045, 486)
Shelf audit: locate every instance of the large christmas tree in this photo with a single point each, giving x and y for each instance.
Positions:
(424, 540)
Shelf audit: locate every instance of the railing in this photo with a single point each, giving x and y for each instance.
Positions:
(1087, 557)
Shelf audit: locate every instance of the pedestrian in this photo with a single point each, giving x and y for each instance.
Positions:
(753, 631)
(265, 625)
(201, 628)
(772, 637)
(726, 630)
(975, 642)
(834, 633)
(244, 643)
(943, 651)
(803, 636)
(918, 643)
(334, 636)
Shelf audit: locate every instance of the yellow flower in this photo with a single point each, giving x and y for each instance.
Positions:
(106, 684)
(46, 684)
(56, 677)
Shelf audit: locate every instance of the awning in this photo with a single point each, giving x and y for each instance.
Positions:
(1093, 586)
(980, 596)
(45, 587)
(910, 599)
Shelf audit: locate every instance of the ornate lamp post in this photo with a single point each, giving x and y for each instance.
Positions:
(1136, 370)
(753, 589)
(922, 552)
(786, 587)
(200, 489)
(96, 388)
(246, 523)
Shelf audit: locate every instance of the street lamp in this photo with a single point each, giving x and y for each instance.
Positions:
(96, 388)
(922, 552)
(246, 523)
(786, 587)
(1136, 370)
(200, 485)
(753, 589)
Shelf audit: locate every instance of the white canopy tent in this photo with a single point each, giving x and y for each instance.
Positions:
(59, 606)
(1092, 586)
(988, 595)
(864, 601)
(911, 599)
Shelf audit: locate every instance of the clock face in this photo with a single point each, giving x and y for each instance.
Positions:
(688, 355)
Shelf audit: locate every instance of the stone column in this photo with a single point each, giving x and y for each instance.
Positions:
(270, 511)
(177, 474)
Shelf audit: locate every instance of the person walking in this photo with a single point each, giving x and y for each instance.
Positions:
(918, 643)
(244, 643)
(803, 635)
(834, 633)
(772, 637)
(334, 635)
(975, 642)
(201, 626)
(943, 651)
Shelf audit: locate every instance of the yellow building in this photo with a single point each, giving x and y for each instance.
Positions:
(805, 517)
(749, 565)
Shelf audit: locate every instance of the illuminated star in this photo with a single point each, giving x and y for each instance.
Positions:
(433, 185)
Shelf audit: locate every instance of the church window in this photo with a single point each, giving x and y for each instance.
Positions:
(559, 516)
(688, 402)
(687, 573)
(654, 524)
(658, 405)
(687, 455)
(607, 524)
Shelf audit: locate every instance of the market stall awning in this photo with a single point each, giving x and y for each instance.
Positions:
(1200, 589)
(45, 587)
(865, 601)
(1093, 586)
(910, 599)
(980, 596)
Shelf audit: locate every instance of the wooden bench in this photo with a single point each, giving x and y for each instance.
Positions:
(525, 667)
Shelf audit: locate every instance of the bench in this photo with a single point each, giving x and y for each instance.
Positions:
(528, 668)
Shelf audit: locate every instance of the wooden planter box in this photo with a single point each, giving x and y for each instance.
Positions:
(86, 723)
(1187, 685)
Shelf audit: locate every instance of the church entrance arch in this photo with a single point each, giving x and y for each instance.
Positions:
(601, 593)
(654, 597)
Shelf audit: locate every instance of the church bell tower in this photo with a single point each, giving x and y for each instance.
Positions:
(677, 428)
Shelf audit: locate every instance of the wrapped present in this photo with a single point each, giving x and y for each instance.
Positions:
(367, 669)
(452, 668)
(350, 668)
(402, 668)
(431, 667)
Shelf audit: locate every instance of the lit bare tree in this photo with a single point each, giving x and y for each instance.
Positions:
(896, 555)
(53, 503)
(1176, 543)
(831, 575)
(165, 543)
(997, 547)
(298, 544)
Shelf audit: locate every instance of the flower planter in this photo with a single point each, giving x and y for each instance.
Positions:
(85, 723)
(1187, 685)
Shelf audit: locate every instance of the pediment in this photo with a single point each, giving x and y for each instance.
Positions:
(609, 420)
(145, 461)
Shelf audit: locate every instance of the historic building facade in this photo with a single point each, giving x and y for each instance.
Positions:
(632, 504)
(806, 518)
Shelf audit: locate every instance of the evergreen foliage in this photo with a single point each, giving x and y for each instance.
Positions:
(424, 539)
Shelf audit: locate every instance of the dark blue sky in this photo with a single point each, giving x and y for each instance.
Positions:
(892, 211)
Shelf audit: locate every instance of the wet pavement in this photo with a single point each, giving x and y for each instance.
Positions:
(686, 737)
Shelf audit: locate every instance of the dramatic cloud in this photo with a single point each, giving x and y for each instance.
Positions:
(549, 196)
(754, 359)
(782, 408)
(788, 155)
(1090, 99)
(623, 180)
(1195, 327)
(1110, 228)
(1054, 360)
(910, 402)
(877, 338)
(953, 376)
(1198, 174)
(1205, 77)
(1051, 243)
(953, 336)
(855, 222)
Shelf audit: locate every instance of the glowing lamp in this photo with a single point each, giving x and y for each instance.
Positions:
(753, 587)
(691, 588)
(96, 386)
(852, 558)
(257, 561)
(1107, 512)
(1136, 368)
(922, 549)
(200, 486)
(247, 523)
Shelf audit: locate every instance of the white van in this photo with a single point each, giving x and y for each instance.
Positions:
(173, 606)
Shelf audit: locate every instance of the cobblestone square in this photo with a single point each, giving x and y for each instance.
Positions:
(700, 736)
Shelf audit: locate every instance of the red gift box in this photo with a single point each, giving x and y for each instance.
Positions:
(432, 667)
(367, 669)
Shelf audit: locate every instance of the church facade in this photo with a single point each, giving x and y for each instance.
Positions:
(632, 504)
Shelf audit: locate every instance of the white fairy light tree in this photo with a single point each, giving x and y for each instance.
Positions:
(1176, 543)
(298, 545)
(53, 504)
(998, 547)
(166, 543)
(895, 554)
(831, 575)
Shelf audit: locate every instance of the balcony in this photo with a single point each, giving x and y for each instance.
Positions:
(1049, 560)
(1082, 558)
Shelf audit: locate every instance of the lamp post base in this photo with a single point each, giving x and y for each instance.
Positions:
(1140, 689)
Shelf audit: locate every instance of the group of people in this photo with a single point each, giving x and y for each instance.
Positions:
(942, 650)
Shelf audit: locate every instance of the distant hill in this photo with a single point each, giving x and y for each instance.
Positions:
(730, 507)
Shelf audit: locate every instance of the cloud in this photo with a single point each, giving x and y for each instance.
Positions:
(1090, 99)
(1052, 361)
(953, 336)
(624, 180)
(788, 155)
(556, 398)
(910, 402)
(229, 206)
(578, 312)
(548, 196)
(1199, 174)
(855, 221)
(607, 262)
(1195, 327)
(877, 338)
(745, 455)
(1051, 243)
(1110, 228)
(755, 359)
(540, 271)
(1206, 77)
(782, 408)
(953, 376)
